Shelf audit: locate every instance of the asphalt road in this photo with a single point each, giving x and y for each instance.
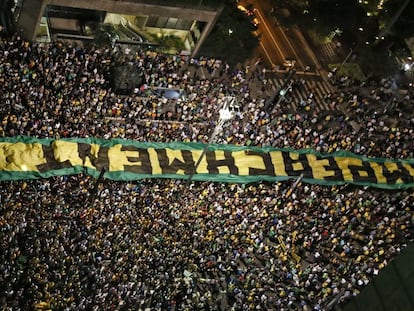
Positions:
(278, 43)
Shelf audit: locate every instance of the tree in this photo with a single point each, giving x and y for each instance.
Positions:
(326, 18)
(329, 16)
(104, 35)
(168, 43)
(403, 26)
(232, 37)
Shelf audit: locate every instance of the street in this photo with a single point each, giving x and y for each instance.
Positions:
(281, 47)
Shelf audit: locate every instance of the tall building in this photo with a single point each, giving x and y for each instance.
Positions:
(140, 21)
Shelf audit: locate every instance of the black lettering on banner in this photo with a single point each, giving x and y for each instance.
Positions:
(102, 162)
(213, 164)
(368, 173)
(302, 159)
(267, 160)
(143, 158)
(176, 164)
(333, 166)
(393, 176)
(51, 163)
(84, 151)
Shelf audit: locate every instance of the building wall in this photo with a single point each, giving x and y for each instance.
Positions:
(392, 289)
(29, 19)
(32, 11)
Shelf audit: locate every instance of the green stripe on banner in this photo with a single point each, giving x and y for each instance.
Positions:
(28, 158)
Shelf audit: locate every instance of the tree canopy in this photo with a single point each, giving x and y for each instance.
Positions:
(232, 37)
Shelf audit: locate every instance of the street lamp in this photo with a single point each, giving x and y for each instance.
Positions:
(226, 113)
(282, 97)
(287, 85)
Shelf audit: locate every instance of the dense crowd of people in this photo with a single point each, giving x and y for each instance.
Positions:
(158, 244)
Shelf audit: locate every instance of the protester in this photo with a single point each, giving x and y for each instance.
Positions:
(158, 244)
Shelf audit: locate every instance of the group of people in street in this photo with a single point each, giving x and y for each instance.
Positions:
(75, 243)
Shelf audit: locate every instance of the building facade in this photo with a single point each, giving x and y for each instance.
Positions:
(146, 19)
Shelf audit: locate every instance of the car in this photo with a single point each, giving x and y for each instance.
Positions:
(289, 62)
(249, 13)
(255, 21)
(246, 11)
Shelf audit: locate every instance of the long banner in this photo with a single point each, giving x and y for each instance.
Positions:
(29, 158)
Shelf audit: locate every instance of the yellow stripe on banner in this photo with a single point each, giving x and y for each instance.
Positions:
(69, 151)
(246, 162)
(319, 170)
(202, 168)
(21, 157)
(175, 155)
(118, 158)
(66, 151)
(345, 163)
(379, 174)
(409, 168)
(297, 166)
(155, 164)
(136, 160)
(220, 156)
(278, 163)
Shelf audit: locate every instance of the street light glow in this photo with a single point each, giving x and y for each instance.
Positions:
(407, 67)
(225, 114)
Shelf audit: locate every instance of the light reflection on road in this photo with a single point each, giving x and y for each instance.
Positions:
(276, 45)
(269, 31)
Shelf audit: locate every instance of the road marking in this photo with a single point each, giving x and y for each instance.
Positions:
(307, 48)
(301, 93)
(270, 32)
(267, 54)
(290, 44)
